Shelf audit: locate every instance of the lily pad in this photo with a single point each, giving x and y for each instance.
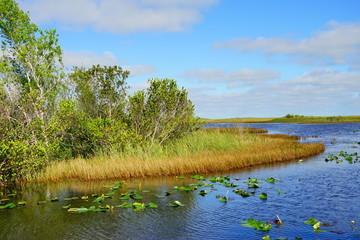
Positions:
(311, 221)
(175, 204)
(9, 206)
(257, 225)
(153, 205)
(263, 196)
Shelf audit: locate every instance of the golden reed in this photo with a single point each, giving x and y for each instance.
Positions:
(251, 150)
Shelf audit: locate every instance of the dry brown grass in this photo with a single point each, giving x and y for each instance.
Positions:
(235, 130)
(253, 150)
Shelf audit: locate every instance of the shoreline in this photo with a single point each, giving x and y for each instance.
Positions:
(302, 119)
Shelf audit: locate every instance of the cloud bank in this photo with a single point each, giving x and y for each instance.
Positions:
(119, 16)
(339, 44)
(317, 92)
(241, 78)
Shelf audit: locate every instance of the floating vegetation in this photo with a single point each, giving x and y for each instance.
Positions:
(263, 196)
(198, 177)
(279, 191)
(343, 156)
(175, 204)
(132, 200)
(257, 225)
(219, 179)
(243, 193)
(9, 205)
(272, 180)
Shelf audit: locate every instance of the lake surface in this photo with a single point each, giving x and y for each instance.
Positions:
(326, 191)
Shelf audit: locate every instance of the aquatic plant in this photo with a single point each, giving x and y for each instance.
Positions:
(257, 225)
(175, 204)
(201, 152)
(343, 156)
(272, 180)
(263, 196)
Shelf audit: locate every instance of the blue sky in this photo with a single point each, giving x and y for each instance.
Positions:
(236, 58)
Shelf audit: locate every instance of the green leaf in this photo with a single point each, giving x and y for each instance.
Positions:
(139, 206)
(126, 197)
(311, 221)
(203, 193)
(153, 205)
(9, 205)
(263, 196)
(257, 225)
(272, 180)
(317, 225)
(99, 199)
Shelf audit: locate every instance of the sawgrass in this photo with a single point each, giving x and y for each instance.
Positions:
(202, 152)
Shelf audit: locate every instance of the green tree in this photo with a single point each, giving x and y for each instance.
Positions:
(30, 70)
(101, 91)
(30, 83)
(162, 112)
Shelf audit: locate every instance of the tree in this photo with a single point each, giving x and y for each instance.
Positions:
(101, 91)
(162, 112)
(30, 69)
(30, 83)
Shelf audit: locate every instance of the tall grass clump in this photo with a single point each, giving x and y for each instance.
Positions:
(200, 152)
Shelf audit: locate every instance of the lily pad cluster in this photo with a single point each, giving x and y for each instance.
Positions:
(133, 199)
(343, 156)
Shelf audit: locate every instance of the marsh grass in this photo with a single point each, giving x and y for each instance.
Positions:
(200, 152)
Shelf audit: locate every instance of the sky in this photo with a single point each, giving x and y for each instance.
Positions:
(236, 58)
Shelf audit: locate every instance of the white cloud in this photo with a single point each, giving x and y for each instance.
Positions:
(140, 69)
(87, 58)
(334, 45)
(318, 92)
(119, 16)
(240, 78)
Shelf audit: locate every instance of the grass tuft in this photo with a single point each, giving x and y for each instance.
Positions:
(201, 152)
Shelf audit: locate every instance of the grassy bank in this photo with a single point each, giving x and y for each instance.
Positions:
(201, 152)
(291, 119)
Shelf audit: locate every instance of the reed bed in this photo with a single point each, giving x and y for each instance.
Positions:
(201, 152)
(235, 130)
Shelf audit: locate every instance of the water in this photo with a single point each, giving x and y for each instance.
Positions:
(328, 192)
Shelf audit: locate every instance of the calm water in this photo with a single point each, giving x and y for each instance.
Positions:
(328, 192)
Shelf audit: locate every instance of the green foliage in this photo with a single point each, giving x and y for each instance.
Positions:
(257, 225)
(162, 112)
(101, 91)
(17, 158)
(41, 120)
